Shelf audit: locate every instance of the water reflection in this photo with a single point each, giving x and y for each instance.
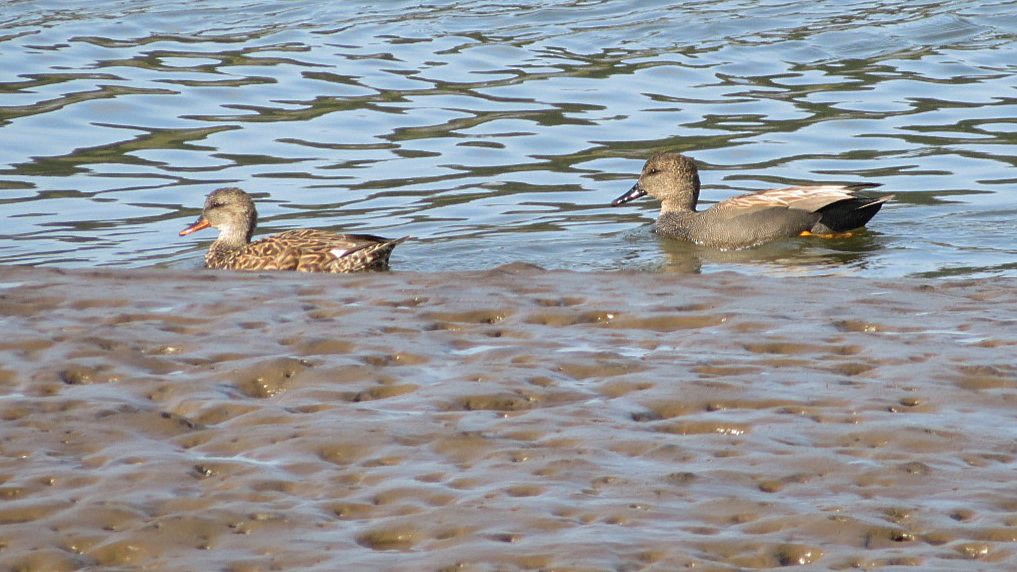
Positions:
(799, 256)
(502, 128)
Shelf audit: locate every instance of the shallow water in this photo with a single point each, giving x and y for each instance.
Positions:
(500, 132)
(510, 419)
(464, 414)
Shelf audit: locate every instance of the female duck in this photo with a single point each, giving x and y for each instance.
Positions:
(231, 210)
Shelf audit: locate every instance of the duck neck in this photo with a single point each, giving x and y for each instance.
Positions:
(684, 198)
(233, 237)
(678, 205)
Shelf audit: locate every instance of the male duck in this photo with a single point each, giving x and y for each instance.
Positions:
(752, 219)
(231, 210)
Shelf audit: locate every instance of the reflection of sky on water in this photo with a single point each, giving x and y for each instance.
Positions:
(496, 133)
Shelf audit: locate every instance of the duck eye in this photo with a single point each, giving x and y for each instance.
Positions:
(653, 171)
(217, 204)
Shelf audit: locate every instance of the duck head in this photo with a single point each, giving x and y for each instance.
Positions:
(671, 178)
(230, 210)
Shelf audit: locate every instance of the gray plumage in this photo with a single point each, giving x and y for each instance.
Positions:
(747, 220)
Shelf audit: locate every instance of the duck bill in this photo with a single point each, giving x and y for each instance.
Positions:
(634, 193)
(195, 226)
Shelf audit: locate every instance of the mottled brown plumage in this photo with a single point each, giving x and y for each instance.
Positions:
(752, 219)
(232, 211)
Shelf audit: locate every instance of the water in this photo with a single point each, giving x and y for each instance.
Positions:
(161, 417)
(498, 132)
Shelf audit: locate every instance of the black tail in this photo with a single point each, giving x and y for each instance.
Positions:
(849, 214)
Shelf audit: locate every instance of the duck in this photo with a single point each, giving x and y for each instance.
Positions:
(232, 212)
(745, 221)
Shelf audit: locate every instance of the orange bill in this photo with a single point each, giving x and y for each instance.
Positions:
(197, 225)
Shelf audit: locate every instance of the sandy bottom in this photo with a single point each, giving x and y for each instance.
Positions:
(510, 419)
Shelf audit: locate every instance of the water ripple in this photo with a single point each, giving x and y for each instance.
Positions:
(503, 128)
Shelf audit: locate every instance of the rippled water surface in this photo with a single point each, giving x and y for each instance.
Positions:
(496, 132)
(504, 416)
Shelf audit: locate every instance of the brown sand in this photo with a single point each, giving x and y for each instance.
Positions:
(511, 419)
